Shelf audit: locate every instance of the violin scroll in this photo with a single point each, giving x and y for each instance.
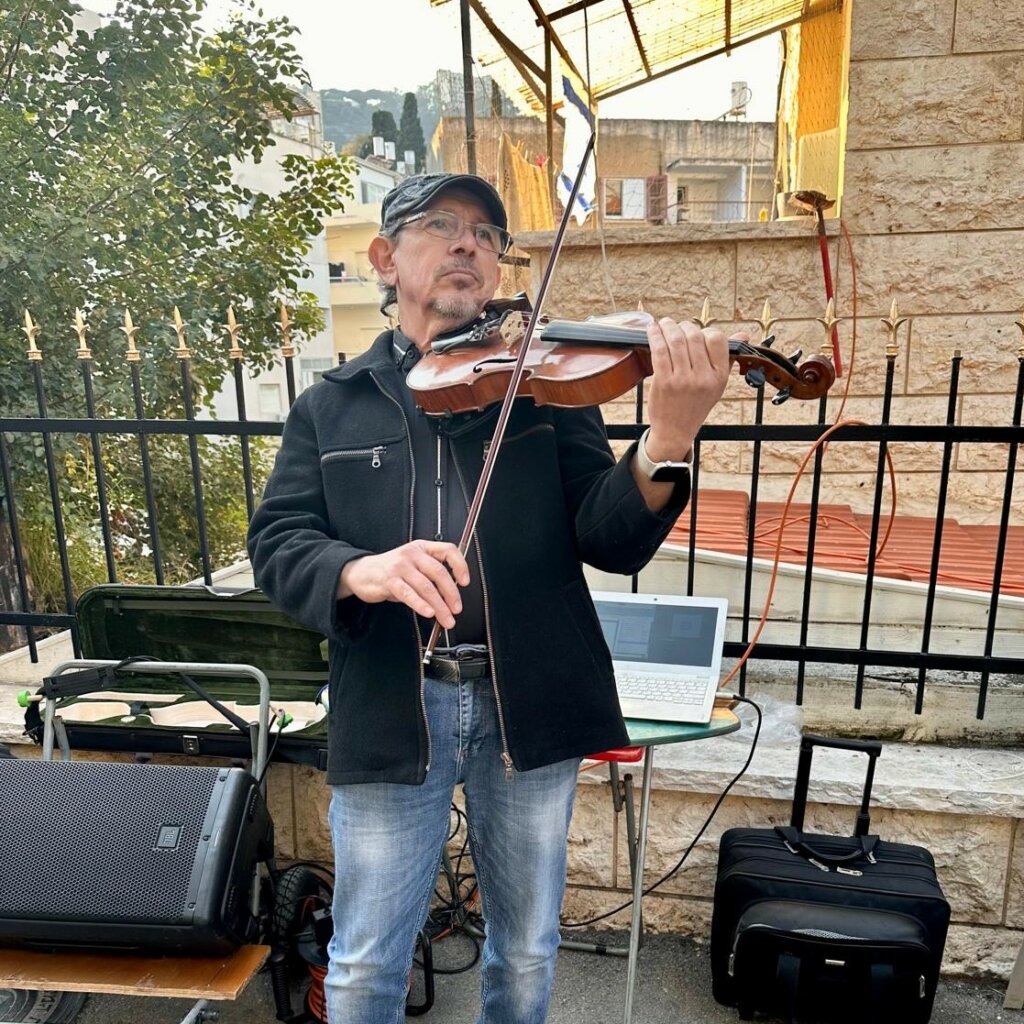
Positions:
(761, 364)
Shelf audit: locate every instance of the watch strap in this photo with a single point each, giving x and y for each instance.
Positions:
(659, 471)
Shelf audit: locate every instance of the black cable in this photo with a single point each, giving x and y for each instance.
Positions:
(462, 968)
(236, 720)
(273, 746)
(707, 821)
(451, 914)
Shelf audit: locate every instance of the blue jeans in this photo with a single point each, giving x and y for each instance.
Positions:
(388, 840)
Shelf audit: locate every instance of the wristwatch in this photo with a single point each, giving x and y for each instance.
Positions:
(660, 472)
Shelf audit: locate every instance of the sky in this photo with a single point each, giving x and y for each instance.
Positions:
(345, 44)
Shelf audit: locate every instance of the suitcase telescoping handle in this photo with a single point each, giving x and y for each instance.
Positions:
(803, 776)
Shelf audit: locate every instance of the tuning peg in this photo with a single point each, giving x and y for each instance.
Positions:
(795, 357)
(769, 341)
(782, 395)
(755, 377)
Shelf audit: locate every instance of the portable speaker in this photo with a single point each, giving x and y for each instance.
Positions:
(142, 856)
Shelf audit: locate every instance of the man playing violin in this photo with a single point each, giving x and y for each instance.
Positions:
(357, 536)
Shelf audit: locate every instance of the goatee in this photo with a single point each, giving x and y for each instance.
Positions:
(455, 308)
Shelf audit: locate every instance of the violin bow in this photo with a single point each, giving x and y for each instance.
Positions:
(513, 386)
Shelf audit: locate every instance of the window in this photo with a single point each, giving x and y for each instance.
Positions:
(270, 401)
(682, 203)
(310, 370)
(371, 192)
(625, 198)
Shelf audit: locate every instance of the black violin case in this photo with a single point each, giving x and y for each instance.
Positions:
(160, 714)
(826, 928)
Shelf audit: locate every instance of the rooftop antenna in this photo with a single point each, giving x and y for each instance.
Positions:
(740, 96)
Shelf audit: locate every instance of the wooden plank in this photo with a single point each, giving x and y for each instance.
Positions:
(131, 974)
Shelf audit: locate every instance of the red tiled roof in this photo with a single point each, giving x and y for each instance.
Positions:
(967, 557)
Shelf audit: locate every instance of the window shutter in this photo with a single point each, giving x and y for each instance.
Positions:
(657, 198)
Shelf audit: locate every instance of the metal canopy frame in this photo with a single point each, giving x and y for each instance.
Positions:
(538, 79)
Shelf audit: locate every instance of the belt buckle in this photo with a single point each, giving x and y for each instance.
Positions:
(469, 652)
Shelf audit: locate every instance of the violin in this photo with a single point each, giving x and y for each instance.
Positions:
(578, 363)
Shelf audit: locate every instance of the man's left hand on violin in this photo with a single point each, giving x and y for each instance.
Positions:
(691, 368)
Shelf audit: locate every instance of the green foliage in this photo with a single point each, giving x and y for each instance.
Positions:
(410, 131)
(119, 190)
(178, 530)
(382, 124)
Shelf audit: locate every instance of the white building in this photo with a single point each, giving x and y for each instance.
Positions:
(266, 394)
(355, 296)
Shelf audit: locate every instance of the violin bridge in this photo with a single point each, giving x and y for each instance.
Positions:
(512, 328)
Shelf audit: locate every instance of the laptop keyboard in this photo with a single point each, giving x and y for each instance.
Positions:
(675, 689)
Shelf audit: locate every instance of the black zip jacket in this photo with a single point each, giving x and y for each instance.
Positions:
(342, 488)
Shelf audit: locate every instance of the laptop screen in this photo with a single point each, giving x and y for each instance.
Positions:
(664, 634)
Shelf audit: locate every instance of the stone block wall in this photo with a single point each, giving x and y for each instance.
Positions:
(964, 805)
(977, 840)
(935, 214)
(979, 858)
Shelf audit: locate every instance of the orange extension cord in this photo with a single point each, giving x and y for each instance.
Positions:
(820, 443)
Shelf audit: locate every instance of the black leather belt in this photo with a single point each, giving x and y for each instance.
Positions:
(453, 664)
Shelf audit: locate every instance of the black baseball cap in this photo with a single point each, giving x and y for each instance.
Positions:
(411, 195)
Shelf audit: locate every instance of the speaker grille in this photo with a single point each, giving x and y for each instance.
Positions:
(93, 841)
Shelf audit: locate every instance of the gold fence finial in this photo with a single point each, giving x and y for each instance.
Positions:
(31, 330)
(130, 330)
(182, 351)
(705, 319)
(285, 327)
(766, 322)
(828, 321)
(233, 328)
(83, 346)
(892, 323)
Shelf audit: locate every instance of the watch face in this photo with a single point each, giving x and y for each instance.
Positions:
(670, 474)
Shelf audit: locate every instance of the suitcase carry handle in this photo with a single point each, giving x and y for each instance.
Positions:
(873, 748)
(794, 840)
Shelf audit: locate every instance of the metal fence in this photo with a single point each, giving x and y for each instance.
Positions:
(95, 431)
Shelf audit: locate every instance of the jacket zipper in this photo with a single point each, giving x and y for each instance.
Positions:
(506, 757)
(438, 532)
(374, 453)
(415, 625)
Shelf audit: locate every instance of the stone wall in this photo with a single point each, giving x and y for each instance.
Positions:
(935, 214)
(961, 805)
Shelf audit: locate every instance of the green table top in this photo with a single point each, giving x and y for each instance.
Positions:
(649, 734)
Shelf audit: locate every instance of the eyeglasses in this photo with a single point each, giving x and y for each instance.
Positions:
(450, 226)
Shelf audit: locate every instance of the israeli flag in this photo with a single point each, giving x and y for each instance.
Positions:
(580, 123)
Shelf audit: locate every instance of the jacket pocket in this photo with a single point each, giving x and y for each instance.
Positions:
(359, 480)
(588, 628)
(372, 453)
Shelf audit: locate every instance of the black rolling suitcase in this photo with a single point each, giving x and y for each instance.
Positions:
(826, 928)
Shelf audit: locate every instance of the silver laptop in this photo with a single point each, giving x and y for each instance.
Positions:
(667, 652)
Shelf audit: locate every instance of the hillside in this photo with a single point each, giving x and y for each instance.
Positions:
(347, 112)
